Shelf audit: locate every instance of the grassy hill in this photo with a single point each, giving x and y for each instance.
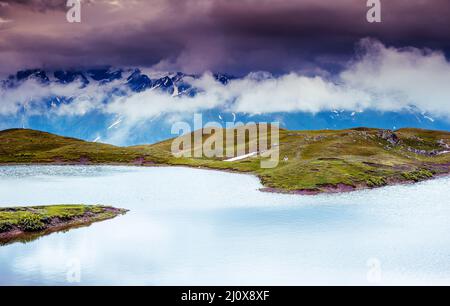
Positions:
(29, 146)
(310, 161)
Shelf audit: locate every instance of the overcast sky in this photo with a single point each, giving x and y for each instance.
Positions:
(234, 36)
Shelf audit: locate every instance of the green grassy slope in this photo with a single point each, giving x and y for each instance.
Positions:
(29, 146)
(311, 161)
(322, 160)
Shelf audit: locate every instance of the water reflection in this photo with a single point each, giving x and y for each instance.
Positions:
(197, 227)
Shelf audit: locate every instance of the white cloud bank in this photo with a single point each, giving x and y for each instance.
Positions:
(32, 96)
(380, 78)
(395, 78)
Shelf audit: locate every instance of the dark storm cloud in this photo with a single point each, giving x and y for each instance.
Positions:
(320, 29)
(234, 36)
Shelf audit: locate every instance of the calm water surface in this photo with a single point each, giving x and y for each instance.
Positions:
(199, 227)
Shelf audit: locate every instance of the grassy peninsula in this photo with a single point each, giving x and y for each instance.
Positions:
(311, 162)
(29, 223)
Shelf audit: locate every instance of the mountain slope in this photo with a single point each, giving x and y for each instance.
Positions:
(310, 161)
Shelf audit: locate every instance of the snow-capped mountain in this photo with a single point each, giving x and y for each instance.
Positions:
(116, 128)
(133, 78)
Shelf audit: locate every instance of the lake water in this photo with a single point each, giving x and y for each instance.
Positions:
(200, 227)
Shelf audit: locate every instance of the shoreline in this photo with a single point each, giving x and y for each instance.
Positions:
(53, 224)
(325, 189)
(343, 188)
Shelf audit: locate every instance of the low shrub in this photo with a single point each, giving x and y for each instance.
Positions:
(375, 181)
(4, 227)
(418, 175)
(31, 223)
